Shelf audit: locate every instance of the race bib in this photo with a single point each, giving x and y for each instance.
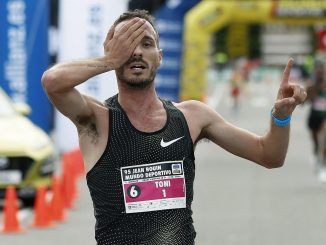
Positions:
(155, 186)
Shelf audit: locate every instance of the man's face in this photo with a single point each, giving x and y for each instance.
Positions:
(140, 70)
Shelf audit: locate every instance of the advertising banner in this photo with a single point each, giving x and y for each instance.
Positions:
(81, 36)
(169, 21)
(24, 55)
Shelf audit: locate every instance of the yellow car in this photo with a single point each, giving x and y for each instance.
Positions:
(27, 155)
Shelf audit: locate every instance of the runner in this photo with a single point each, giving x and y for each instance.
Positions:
(316, 121)
(139, 149)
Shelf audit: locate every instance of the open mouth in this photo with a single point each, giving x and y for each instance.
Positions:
(138, 67)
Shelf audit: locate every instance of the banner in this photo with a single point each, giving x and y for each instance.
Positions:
(169, 21)
(210, 16)
(83, 25)
(24, 55)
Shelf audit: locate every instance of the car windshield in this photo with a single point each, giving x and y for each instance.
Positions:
(6, 109)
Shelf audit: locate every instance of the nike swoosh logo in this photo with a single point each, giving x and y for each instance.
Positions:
(165, 144)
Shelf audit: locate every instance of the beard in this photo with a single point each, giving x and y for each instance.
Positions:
(136, 82)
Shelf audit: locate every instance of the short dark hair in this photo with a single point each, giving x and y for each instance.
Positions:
(140, 13)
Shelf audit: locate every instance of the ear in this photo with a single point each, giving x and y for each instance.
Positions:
(160, 52)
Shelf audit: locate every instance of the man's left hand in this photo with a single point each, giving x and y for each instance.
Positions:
(289, 95)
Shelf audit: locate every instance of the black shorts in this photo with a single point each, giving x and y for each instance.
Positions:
(315, 121)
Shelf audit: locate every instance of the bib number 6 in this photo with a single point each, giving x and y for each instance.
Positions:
(133, 191)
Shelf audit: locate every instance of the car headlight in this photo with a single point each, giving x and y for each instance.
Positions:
(4, 162)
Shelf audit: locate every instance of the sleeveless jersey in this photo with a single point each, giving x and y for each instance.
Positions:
(142, 185)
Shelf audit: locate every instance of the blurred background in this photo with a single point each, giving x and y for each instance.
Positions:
(229, 54)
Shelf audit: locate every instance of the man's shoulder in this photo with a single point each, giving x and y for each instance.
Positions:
(190, 105)
(195, 110)
(198, 111)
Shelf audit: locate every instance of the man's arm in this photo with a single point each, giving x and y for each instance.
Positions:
(268, 150)
(276, 140)
(59, 81)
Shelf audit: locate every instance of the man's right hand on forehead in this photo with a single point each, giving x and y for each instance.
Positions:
(122, 40)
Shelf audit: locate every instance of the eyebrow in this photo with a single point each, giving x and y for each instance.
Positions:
(149, 38)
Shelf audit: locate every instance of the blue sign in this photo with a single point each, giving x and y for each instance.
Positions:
(24, 55)
(169, 21)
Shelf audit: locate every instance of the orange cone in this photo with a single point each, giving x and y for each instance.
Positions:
(78, 162)
(41, 210)
(57, 205)
(74, 174)
(69, 181)
(11, 223)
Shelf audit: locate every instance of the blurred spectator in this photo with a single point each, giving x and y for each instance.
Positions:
(239, 76)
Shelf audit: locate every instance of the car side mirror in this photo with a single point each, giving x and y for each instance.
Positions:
(22, 109)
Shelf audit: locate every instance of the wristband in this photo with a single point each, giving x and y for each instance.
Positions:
(281, 122)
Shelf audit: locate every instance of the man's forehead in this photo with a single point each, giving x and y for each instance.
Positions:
(149, 27)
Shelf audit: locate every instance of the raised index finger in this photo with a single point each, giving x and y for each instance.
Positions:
(287, 71)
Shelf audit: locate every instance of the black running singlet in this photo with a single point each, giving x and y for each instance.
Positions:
(142, 186)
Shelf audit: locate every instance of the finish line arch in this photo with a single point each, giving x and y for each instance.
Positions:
(209, 16)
